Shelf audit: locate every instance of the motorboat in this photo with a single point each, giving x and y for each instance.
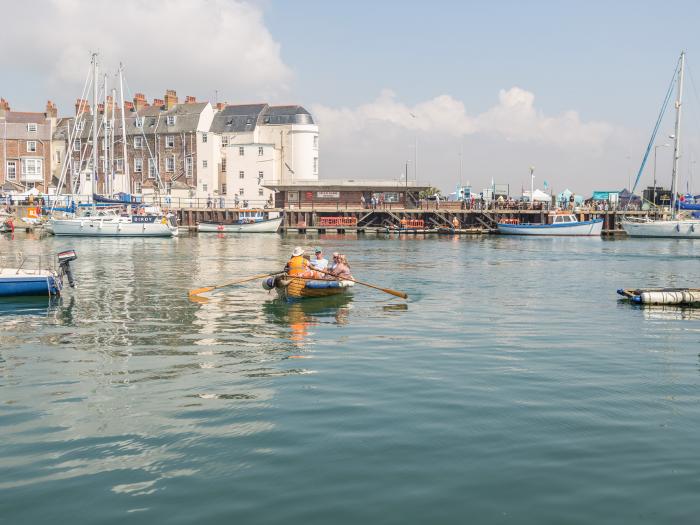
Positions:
(25, 280)
(248, 222)
(560, 223)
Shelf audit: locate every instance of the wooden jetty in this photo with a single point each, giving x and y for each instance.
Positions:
(393, 220)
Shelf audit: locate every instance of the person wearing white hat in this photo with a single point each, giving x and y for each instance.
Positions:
(298, 266)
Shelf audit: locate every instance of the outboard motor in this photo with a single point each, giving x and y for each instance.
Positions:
(64, 259)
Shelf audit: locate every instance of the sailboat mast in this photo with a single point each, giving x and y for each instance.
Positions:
(677, 141)
(126, 161)
(94, 124)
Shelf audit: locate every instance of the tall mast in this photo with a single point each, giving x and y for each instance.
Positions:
(111, 140)
(105, 139)
(677, 141)
(126, 161)
(94, 124)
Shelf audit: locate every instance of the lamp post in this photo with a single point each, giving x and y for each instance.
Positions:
(653, 198)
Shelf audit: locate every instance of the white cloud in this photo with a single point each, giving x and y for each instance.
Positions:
(514, 118)
(193, 46)
(500, 142)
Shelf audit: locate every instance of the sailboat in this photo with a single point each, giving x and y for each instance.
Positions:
(109, 222)
(678, 225)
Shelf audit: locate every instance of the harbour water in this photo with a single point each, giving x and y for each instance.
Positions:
(512, 386)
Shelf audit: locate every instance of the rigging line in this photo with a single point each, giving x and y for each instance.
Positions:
(695, 93)
(668, 97)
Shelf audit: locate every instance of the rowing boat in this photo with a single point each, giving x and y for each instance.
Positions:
(289, 287)
(672, 296)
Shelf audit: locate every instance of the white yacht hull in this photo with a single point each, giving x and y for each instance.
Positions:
(579, 229)
(268, 226)
(678, 229)
(122, 227)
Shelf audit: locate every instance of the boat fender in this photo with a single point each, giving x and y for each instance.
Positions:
(269, 283)
(163, 221)
(692, 228)
(678, 227)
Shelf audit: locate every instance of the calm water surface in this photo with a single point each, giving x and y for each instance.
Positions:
(512, 387)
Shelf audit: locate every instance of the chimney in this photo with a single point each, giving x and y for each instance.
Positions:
(190, 100)
(128, 106)
(4, 107)
(140, 101)
(170, 98)
(51, 110)
(85, 106)
(220, 105)
(158, 102)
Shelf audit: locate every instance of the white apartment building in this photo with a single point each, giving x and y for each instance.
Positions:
(264, 144)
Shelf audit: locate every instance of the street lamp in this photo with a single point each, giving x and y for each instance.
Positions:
(653, 199)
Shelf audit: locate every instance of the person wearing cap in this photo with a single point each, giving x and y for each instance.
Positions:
(298, 266)
(319, 262)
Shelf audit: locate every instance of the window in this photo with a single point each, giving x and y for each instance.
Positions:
(138, 122)
(261, 151)
(138, 165)
(31, 146)
(138, 142)
(223, 189)
(108, 125)
(170, 164)
(76, 169)
(12, 170)
(315, 165)
(261, 175)
(151, 168)
(241, 192)
(204, 187)
(241, 174)
(32, 127)
(170, 141)
(315, 141)
(31, 167)
(204, 138)
(241, 151)
(168, 187)
(261, 192)
(58, 157)
(188, 166)
(80, 125)
(204, 164)
(76, 145)
(223, 164)
(224, 140)
(137, 186)
(171, 120)
(152, 122)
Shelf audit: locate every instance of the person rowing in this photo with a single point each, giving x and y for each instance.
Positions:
(319, 262)
(298, 265)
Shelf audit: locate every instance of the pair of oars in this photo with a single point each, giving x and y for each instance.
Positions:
(198, 291)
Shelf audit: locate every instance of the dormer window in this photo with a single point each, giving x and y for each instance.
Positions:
(153, 121)
(138, 122)
(32, 127)
(171, 120)
(108, 124)
(80, 126)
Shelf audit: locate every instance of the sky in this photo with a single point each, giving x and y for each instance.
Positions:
(572, 89)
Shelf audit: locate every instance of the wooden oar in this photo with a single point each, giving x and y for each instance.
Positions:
(385, 290)
(198, 291)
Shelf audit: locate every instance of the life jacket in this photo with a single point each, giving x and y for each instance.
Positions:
(296, 266)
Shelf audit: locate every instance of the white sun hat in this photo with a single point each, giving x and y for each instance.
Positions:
(298, 251)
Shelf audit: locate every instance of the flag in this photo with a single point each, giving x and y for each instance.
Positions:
(545, 185)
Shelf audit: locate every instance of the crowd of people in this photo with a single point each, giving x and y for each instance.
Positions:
(318, 267)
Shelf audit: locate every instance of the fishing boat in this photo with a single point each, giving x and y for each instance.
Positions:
(248, 222)
(560, 223)
(24, 281)
(289, 287)
(663, 296)
(109, 223)
(677, 225)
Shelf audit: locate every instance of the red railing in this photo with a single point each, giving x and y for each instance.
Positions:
(337, 221)
(415, 223)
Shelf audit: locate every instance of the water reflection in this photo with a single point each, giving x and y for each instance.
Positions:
(32, 306)
(302, 316)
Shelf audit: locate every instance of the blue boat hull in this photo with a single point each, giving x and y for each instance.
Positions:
(24, 285)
